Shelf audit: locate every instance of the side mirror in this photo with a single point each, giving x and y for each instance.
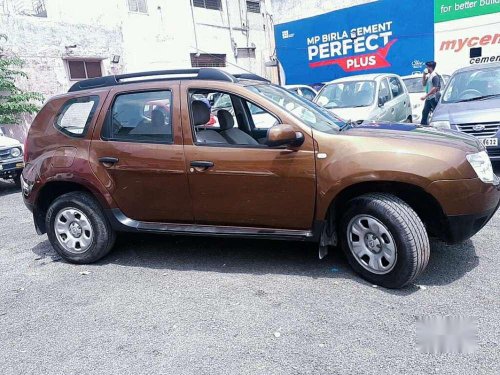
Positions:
(282, 134)
(381, 101)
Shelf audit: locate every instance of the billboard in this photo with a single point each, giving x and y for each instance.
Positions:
(466, 33)
(384, 36)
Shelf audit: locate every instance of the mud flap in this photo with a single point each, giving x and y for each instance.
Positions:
(328, 237)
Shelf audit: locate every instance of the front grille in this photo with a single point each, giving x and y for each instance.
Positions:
(490, 129)
(5, 154)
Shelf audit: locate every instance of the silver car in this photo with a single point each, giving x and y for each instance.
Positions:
(471, 103)
(368, 97)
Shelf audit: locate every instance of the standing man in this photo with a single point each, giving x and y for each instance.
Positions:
(432, 83)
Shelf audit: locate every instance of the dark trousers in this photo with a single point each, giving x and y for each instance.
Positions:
(429, 106)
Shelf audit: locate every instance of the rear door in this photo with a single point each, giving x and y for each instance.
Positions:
(137, 153)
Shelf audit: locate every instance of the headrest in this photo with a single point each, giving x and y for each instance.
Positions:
(157, 117)
(201, 113)
(226, 120)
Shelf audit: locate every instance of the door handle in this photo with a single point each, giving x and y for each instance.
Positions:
(108, 160)
(201, 164)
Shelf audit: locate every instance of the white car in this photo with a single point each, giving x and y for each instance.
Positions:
(416, 90)
(367, 97)
(303, 90)
(11, 159)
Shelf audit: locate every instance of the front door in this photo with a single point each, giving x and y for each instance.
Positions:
(137, 153)
(243, 182)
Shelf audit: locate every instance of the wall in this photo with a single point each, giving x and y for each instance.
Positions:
(163, 38)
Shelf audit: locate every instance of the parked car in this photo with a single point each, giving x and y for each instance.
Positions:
(377, 190)
(416, 90)
(11, 159)
(369, 97)
(303, 90)
(471, 104)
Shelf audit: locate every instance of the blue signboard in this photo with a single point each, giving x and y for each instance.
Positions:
(385, 36)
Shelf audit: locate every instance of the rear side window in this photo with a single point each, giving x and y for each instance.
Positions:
(396, 87)
(141, 117)
(76, 115)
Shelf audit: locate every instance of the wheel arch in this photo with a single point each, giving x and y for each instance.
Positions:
(54, 189)
(423, 203)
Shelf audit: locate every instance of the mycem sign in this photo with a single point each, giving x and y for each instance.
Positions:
(384, 36)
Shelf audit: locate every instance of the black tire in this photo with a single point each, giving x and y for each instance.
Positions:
(17, 179)
(103, 235)
(407, 230)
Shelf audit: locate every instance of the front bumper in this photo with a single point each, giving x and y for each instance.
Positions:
(10, 167)
(460, 228)
(467, 206)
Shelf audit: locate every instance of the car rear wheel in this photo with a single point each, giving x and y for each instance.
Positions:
(384, 240)
(78, 229)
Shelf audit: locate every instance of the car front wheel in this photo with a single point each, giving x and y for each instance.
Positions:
(78, 229)
(384, 240)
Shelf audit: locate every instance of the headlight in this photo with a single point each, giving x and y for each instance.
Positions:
(15, 152)
(482, 165)
(441, 124)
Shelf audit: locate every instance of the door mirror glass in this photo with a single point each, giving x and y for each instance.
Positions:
(381, 101)
(282, 134)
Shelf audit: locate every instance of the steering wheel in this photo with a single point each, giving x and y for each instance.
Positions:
(470, 93)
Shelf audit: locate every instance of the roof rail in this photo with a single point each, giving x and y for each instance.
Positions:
(251, 76)
(210, 74)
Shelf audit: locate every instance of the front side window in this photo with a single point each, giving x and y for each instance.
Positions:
(384, 94)
(307, 93)
(396, 87)
(347, 94)
(308, 113)
(76, 114)
(141, 117)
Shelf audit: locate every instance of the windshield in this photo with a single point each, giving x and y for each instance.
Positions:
(347, 94)
(473, 84)
(306, 111)
(414, 85)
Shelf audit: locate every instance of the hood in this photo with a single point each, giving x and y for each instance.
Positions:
(8, 142)
(417, 133)
(487, 110)
(352, 113)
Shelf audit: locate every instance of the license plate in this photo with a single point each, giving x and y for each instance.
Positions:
(489, 142)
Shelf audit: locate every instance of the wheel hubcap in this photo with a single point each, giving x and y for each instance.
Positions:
(73, 230)
(372, 244)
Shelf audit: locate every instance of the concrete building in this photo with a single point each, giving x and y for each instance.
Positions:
(62, 41)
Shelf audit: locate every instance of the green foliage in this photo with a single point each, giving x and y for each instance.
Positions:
(13, 100)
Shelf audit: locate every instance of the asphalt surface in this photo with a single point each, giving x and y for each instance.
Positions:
(183, 305)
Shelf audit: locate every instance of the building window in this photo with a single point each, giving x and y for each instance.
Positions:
(206, 60)
(248, 53)
(253, 6)
(208, 4)
(137, 6)
(39, 8)
(83, 69)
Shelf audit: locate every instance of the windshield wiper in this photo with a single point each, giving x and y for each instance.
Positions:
(478, 98)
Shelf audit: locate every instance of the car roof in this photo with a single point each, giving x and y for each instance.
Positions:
(363, 77)
(297, 86)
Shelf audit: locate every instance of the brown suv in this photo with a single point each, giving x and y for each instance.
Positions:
(139, 152)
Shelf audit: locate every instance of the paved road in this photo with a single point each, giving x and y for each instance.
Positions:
(181, 305)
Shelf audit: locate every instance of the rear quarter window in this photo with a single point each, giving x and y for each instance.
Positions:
(76, 115)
